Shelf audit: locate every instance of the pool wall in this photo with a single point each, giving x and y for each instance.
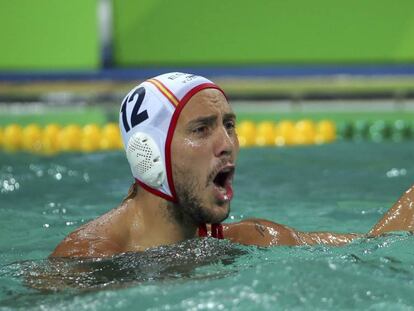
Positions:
(49, 35)
(52, 35)
(242, 32)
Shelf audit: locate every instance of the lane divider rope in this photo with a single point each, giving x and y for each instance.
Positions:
(54, 138)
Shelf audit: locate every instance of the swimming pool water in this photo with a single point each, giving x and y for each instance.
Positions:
(340, 187)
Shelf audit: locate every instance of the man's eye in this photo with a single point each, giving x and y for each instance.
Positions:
(200, 130)
(230, 125)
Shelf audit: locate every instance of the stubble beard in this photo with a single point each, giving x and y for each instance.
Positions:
(190, 206)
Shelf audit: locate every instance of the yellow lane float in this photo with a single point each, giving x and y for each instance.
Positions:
(54, 138)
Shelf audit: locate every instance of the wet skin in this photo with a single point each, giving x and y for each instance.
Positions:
(204, 147)
(204, 144)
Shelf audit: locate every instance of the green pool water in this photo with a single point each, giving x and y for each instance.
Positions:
(342, 187)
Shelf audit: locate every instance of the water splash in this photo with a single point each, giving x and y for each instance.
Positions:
(180, 261)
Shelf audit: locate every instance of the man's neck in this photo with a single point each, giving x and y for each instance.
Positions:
(155, 222)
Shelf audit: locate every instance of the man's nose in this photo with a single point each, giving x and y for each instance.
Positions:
(224, 143)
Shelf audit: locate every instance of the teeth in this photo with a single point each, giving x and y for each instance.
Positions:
(226, 170)
(222, 190)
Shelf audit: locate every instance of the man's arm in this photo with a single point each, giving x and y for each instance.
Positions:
(400, 217)
(262, 232)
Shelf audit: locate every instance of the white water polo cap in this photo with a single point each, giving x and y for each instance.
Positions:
(147, 120)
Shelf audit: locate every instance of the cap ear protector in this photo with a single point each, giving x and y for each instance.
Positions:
(145, 160)
(147, 120)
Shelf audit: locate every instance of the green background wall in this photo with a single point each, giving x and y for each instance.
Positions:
(154, 32)
(48, 34)
(61, 34)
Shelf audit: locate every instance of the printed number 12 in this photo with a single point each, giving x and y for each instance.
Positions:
(136, 118)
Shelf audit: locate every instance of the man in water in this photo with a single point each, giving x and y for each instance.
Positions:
(179, 134)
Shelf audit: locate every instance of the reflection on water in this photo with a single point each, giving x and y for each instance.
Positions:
(181, 261)
(342, 187)
(377, 271)
(162, 263)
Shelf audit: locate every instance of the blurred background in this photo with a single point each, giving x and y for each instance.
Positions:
(296, 72)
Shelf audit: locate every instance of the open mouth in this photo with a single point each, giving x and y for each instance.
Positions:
(223, 183)
(223, 177)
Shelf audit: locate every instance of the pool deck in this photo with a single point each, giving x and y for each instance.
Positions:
(334, 110)
(258, 88)
(333, 96)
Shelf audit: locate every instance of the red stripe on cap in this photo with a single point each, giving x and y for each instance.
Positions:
(172, 93)
(165, 91)
(173, 124)
(174, 102)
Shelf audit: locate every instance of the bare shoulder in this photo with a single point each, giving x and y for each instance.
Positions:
(260, 232)
(101, 237)
(86, 244)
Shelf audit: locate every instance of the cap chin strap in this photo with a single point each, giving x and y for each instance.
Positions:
(216, 231)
